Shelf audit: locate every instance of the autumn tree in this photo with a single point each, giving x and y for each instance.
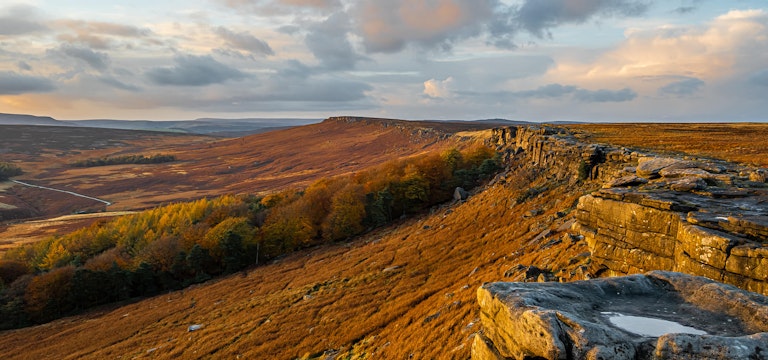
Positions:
(346, 214)
(46, 295)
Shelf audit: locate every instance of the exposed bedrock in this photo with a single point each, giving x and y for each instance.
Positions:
(578, 320)
(717, 228)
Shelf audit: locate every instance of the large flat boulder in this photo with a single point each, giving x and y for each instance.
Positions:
(607, 319)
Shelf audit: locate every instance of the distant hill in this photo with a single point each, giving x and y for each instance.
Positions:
(204, 126)
(16, 119)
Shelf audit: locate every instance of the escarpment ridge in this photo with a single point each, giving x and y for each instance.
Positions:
(704, 219)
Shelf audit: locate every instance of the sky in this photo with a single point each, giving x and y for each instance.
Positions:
(533, 60)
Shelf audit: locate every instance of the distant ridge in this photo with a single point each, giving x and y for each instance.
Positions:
(18, 119)
(202, 126)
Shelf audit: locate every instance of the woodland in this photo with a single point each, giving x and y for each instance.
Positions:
(179, 244)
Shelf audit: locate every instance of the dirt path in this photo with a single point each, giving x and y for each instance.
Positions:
(63, 191)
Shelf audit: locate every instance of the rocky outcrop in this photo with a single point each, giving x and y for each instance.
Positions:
(697, 217)
(578, 320)
(702, 217)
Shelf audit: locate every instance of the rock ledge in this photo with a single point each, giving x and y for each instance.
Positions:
(569, 321)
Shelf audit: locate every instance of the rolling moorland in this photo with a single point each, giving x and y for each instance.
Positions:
(398, 291)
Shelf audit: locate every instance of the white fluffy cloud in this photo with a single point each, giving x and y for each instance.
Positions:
(438, 88)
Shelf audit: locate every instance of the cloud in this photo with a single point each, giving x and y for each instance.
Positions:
(328, 42)
(24, 66)
(97, 34)
(97, 60)
(191, 70)
(115, 83)
(438, 88)
(539, 16)
(12, 83)
(603, 95)
(390, 25)
(724, 48)
(686, 86)
(548, 91)
(19, 20)
(283, 7)
(244, 41)
(551, 91)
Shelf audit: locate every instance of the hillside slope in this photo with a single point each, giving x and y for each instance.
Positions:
(253, 164)
(394, 292)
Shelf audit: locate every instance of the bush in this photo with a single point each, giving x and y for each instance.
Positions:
(8, 170)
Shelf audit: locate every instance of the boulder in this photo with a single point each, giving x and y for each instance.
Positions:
(688, 183)
(578, 320)
(460, 194)
(649, 167)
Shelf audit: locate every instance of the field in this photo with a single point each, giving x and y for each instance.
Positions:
(745, 143)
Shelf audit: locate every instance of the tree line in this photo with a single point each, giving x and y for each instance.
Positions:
(176, 245)
(125, 159)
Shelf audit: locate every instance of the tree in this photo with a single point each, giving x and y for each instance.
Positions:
(10, 270)
(46, 295)
(347, 214)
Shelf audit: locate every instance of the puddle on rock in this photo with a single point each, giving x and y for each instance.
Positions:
(647, 326)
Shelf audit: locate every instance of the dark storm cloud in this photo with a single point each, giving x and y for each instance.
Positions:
(686, 86)
(244, 41)
(328, 42)
(19, 20)
(191, 70)
(97, 60)
(12, 83)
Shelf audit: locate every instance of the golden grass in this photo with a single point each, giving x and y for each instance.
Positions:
(407, 289)
(739, 142)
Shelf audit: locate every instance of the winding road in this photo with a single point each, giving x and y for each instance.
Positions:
(63, 191)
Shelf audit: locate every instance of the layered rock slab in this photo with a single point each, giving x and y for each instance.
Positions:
(569, 321)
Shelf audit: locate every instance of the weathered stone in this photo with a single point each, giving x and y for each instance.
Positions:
(572, 320)
(625, 181)
(636, 230)
(460, 194)
(482, 349)
(759, 175)
(692, 347)
(688, 183)
(649, 167)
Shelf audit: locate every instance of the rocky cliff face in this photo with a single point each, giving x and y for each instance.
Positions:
(696, 216)
(702, 217)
